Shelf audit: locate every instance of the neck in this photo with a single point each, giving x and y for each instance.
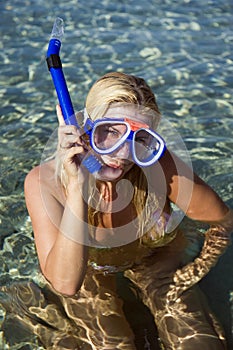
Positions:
(107, 190)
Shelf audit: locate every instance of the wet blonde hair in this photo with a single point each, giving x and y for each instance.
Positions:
(116, 87)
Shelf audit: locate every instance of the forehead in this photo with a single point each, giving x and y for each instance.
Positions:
(128, 112)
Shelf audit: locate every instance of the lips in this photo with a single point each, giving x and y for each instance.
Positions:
(113, 163)
(114, 166)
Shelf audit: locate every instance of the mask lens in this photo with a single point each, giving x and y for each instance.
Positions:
(109, 135)
(146, 145)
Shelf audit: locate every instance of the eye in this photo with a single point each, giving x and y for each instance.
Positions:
(110, 131)
(147, 140)
(143, 138)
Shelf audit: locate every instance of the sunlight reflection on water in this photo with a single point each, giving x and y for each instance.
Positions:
(182, 49)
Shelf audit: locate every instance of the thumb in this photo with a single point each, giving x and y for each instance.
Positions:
(59, 115)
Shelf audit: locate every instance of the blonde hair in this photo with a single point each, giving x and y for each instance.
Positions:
(114, 88)
(121, 88)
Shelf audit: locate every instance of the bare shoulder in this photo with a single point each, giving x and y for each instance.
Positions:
(48, 167)
(42, 178)
(42, 173)
(173, 165)
(31, 182)
(189, 192)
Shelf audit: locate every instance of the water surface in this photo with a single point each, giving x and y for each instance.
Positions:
(184, 49)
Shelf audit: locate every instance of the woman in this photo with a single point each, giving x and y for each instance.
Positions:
(87, 227)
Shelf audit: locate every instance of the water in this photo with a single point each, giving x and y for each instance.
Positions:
(184, 49)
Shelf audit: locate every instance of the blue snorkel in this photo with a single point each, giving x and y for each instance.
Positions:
(55, 68)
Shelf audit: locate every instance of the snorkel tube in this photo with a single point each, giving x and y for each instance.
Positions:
(55, 67)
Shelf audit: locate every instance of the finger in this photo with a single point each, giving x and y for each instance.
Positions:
(73, 152)
(66, 144)
(59, 115)
(68, 137)
(67, 133)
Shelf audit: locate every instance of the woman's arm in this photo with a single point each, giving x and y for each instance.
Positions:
(199, 202)
(217, 240)
(59, 220)
(62, 259)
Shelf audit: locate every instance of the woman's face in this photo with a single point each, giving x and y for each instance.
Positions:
(119, 162)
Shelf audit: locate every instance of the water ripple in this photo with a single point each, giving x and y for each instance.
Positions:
(184, 51)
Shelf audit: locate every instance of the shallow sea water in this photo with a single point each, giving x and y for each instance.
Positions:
(184, 49)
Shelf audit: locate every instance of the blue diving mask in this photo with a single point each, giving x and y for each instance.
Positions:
(108, 135)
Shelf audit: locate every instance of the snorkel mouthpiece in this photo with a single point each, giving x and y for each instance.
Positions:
(55, 67)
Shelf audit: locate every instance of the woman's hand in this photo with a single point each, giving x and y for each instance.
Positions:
(71, 150)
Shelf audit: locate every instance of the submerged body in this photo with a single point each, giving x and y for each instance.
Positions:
(150, 263)
(88, 229)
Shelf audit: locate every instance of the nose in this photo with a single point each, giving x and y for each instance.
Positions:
(124, 151)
